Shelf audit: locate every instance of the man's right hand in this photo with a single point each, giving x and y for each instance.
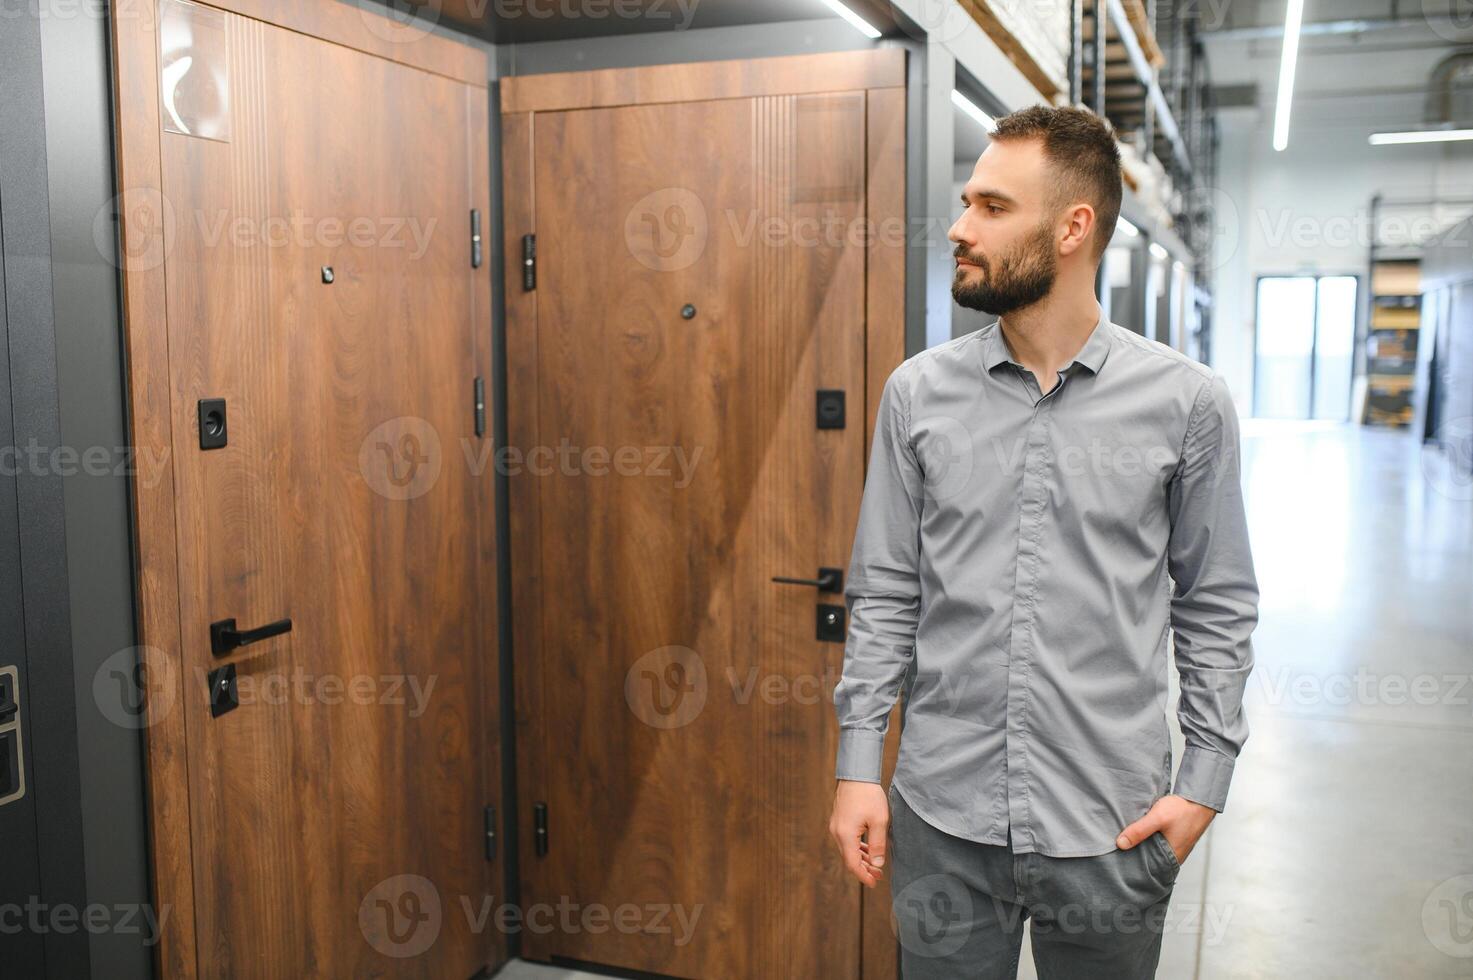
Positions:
(861, 809)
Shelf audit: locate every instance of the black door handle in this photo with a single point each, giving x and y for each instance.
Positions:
(224, 637)
(829, 580)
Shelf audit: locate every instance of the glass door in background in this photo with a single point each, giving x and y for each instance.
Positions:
(1303, 347)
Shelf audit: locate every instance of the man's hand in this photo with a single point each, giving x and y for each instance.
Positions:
(861, 809)
(1180, 820)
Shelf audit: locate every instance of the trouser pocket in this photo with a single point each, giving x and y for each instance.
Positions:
(1170, 867)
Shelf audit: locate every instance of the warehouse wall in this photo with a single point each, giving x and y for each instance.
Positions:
(1447, 276)
(1307, 209)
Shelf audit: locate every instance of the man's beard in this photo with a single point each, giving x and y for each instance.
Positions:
(1021, 277)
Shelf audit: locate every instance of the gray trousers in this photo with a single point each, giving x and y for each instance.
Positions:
(960, 906)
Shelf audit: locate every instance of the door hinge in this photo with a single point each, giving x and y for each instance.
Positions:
(475, 238)
(529, 263)
(490, 833)
(479, 390)
(539, 827)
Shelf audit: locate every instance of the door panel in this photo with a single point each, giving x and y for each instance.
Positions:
(336, 814)
(691, 304)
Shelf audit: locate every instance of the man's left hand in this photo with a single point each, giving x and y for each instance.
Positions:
(1180, 821)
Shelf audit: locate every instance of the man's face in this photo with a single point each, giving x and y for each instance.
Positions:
(1006, 253)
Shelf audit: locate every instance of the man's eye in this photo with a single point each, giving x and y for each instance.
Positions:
(994, 209)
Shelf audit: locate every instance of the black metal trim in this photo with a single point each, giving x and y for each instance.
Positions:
(53, 773)
(529, 263)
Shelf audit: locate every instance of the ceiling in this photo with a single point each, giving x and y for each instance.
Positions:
(1263, 20)
(530, 21)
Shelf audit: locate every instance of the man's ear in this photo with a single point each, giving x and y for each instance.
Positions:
(1079, 221)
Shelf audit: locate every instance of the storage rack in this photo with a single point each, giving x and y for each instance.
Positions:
(1391, 341)
(1155, 89)
(1395, 315)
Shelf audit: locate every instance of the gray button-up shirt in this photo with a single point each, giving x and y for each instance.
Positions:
(1021, 563)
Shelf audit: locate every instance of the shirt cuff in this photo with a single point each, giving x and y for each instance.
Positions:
(861, 755)
(1204, 776)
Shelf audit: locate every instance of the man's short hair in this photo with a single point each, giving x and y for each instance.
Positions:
(1081, 148)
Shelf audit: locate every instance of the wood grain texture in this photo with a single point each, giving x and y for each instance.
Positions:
(987, 18)
(884, 351)
(723, 813)
(1145, 31)
(885, 255)
(720, 815)
(523, 500)
(142, 244)
(360, 752)
(407, 41)
(478, 150)
(797, 74)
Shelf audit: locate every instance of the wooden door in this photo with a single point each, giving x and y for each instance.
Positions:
(703, 286)
(317, 278)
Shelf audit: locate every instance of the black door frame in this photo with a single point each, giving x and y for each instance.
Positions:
(35, 609)
(74, 845)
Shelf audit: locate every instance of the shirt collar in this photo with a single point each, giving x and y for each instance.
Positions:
(1091, 355)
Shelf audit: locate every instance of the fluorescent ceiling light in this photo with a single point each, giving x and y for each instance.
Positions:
(1159, 252)
(1122, 225)
(966, 105)
(1290, 57)
(1422, 136)
(854, 19)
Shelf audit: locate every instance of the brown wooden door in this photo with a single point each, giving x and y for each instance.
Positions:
(317, 277)
(701, 276)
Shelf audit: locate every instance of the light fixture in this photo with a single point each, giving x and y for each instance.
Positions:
(1292, 21)
(1159, 252)
(1122, 225)
(970, 108)
(1422, 136)
(856, 21)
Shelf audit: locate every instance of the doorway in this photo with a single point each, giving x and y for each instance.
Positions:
(1304, 342)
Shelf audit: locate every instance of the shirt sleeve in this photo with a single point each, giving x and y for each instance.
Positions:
(882, 590)
(1214, 605)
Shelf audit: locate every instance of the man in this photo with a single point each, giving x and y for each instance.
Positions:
(1048, 500)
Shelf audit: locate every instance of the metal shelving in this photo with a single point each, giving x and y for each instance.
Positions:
(1155, 89)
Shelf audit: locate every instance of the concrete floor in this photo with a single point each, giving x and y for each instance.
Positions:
(1347, 846)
